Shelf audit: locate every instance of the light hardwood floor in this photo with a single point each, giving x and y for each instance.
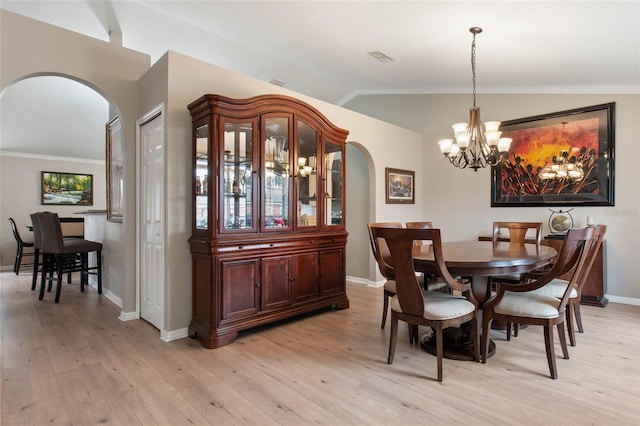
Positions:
(76, 363)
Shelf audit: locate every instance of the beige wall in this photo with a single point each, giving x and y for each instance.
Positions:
(459, 200)
(20, 188)
(186, 80)
(31, 48)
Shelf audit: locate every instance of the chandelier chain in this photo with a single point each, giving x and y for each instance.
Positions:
(473, 67)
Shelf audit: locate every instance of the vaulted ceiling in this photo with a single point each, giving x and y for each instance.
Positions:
(320, 48)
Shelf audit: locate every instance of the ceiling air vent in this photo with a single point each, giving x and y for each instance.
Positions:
(379, 56)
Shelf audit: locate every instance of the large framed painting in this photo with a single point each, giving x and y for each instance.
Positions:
(115, 171)
(400, 186)
(564, 158)
(66, 189)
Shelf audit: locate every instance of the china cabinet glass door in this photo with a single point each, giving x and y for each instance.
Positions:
(333, 178)
(306, 176)
(237, 202)
(201, 189)
(276, 173)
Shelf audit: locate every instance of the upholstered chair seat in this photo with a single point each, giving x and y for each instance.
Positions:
(439, 306)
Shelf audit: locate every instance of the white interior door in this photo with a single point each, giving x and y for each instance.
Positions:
(151, 213)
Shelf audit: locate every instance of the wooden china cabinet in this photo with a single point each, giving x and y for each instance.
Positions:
(269, 236)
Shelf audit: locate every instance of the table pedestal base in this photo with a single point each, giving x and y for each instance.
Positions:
(456, 344)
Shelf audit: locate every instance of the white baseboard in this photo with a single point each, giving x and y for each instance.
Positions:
(364, 281)
(128, 316)
(111, 296)
(168, 336)
(623, 300)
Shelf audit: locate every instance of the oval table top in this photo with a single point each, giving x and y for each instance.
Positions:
(477, 260)
(484, 257)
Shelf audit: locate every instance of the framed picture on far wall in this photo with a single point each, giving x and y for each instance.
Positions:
(563, 159)
(115, 171)
(400, 186)
(66, 189)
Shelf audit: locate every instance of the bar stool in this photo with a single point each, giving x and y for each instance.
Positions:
(65, 255)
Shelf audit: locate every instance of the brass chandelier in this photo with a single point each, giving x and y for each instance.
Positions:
(472, 147)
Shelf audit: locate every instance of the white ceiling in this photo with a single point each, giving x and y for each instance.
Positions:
(319, 48)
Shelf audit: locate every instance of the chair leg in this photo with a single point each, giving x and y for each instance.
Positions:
(392, 338)
(99, 265)
(16, 264)
(563, 341)
(84, 270)
(576, 310)
(36, 266)
(551, 355)
(515, 329)
(46, 264)
(439, 349)
(385, 308)
(509, 324)
(475, 333)
(43, 282)
(486, 320)
(568, 313)
(60, 274)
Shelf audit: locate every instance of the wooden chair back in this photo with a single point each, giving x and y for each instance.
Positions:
(401, 243)
(16, 234)
(518, 232)
(381, 249)
(592, 248)
(574, 250)
(419, 225)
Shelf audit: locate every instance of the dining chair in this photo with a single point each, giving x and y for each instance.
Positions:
(63, 254)
(521, 304)
(517, 233)
(557, 287)
(417, 306)
(382, 256)
(20, 246)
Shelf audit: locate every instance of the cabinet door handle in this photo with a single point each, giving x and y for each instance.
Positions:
(272, 245)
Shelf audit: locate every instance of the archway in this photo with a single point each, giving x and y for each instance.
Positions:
(360, 184)
(49, 122)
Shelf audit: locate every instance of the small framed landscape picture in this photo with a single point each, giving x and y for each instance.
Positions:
(66, 189)
(400, 186)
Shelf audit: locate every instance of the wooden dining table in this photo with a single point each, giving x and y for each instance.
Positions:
(477, 261)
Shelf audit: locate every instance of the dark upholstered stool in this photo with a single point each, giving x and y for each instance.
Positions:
(65, 254)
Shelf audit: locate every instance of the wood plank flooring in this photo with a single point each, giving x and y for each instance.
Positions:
(76, 363)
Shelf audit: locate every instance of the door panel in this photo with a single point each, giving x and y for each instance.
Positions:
(151, 222)
(305, 276)
(240, 281)
(276, 282)
(332, 277)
